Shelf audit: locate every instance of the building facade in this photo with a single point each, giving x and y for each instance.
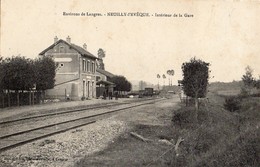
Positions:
(76, 72)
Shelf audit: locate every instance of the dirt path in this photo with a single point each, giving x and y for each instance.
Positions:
(151, 122)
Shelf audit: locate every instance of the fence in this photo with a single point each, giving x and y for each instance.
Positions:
(24, 98)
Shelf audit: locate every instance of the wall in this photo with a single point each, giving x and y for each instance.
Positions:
(69, 90)
(71, 78)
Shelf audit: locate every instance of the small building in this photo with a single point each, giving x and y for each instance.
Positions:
(104, 85)
(76, 72)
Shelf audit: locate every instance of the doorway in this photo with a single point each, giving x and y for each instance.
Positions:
(84, 88)
(88, 87)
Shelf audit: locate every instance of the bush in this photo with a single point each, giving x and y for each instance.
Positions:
(232, 103)
(255, 95)
(183, 117)
(205, 138)
(179, 118)
(243, 151)
(244, 92)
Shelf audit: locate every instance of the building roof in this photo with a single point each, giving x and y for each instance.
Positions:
(79, 49)
(107, 83)
(106, 73)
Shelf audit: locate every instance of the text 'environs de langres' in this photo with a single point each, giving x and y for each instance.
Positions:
(107, 14)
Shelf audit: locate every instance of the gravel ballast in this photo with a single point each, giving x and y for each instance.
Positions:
(66, 148)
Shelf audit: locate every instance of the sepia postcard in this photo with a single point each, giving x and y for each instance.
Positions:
(95, 46)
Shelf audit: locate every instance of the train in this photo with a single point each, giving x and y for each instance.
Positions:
(147, 92)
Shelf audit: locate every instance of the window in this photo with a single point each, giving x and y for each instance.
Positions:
(84, 65)
(62, 49)
(92, 89)
(88, 66)
(93, 67)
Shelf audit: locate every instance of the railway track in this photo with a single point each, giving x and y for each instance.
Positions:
(26, 136)
(55, 113)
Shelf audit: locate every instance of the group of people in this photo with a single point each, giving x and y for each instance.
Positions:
(110, 95)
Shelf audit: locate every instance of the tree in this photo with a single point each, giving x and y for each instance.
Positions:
(195, 80)
(101, 55)
(170, 73)
(158, 76)
(122, 84)
(1, 74)
(248, 77)
(164, 77)
(22, 74)
(1, 80)
(45, 73)
(248, 80)
(3, 69)
(18, 74)
(257, 83)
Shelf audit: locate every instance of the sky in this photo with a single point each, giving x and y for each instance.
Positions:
(224, 33)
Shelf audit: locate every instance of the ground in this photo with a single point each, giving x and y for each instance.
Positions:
(217, 138)
(89, 145)
(152, 122)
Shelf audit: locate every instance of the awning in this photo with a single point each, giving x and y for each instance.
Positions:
(106, 83)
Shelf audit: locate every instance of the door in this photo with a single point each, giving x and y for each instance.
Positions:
(84, 88)
(88, 87)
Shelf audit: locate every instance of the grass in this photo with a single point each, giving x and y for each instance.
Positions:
(218, 138)
(229, 93)
(222, 138)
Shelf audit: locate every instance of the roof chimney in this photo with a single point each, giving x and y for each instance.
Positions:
(85, 46)
(55, 39)
(68, 39)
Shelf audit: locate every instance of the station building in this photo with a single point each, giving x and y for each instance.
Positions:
(76, 72)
